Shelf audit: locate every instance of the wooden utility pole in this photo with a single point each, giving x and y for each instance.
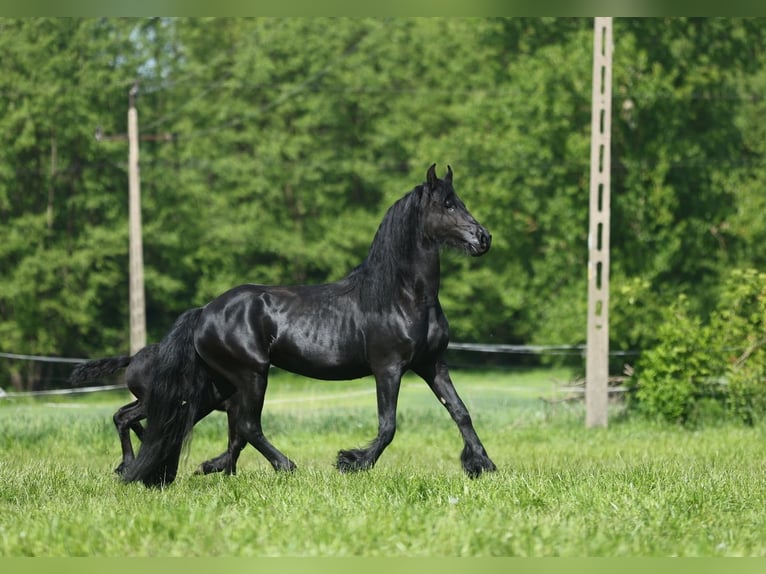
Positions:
(136, 252)
(597, 359)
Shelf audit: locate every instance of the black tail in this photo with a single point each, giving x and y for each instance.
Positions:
(98, 369)
(174, 396)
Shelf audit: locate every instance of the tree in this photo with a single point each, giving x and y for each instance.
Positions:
(289, 138)
(56, 186)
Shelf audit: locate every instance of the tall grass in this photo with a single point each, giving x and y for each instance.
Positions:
(561, 490)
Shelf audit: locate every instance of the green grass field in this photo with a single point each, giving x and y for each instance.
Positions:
(634, 489)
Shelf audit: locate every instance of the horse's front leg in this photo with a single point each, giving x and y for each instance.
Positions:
(387, 385)
(474, 457)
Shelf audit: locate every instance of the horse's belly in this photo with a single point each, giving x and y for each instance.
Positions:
(319, 366)
(333, 358)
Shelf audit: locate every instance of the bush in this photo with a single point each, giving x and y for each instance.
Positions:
(702, 371)
(674, 375)
(740, 322)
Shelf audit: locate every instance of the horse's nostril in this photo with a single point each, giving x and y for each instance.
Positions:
(485, 239)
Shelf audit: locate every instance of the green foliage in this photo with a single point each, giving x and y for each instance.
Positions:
(288, 139)
(704, 370)
(681, 369)
(740, 323)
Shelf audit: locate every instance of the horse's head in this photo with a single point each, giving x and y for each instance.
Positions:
(446, 219)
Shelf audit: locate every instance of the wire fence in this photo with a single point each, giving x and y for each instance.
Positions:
(556, 350)
(481, 348)
(40, 358)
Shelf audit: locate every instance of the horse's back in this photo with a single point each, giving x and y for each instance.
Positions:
(313, 330)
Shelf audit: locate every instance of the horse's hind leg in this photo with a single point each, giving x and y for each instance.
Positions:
(138, 428)
(227, 461)
(473, 458)
(252, 389)
(126, 418)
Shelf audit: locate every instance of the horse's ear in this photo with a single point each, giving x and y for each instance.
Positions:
(448, 177)
(431, 178)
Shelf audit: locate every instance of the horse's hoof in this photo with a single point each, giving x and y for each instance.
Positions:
(288, 466)
(475, 471)
(476, 463)
(352, 461)
(206, 468)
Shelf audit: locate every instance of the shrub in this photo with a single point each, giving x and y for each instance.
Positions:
(673, 376)
(702, 370)
(740, 322)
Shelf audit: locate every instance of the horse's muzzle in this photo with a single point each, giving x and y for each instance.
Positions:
(483, 239)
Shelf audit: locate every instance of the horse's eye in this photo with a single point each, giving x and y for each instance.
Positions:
(449, 204)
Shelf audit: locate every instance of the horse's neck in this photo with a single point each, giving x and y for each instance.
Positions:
(418, 277)
(426, 275)
(401, 264)
(411, 276)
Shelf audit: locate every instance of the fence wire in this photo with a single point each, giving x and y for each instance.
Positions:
(490, 348)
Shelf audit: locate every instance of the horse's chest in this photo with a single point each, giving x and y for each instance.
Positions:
(429, 329)
(438, 329)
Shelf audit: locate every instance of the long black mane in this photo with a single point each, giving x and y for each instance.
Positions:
(388, 262)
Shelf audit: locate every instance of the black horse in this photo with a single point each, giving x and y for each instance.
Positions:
(139, 370)
(382, 319)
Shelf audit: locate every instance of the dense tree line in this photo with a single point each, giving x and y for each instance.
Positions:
(288, 138)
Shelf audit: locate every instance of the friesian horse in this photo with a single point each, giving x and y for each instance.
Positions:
(384, 318)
